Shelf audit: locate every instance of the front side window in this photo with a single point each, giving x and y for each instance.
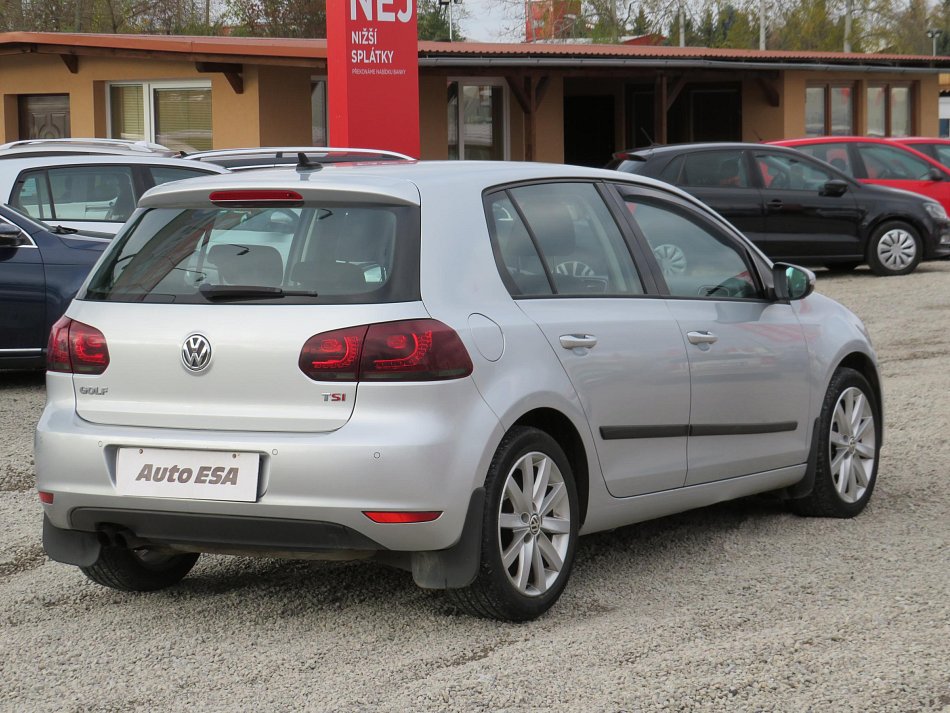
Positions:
(476, 121)
(714, 169)
(316, 254)
(560, 238)
(787, 172)
(31, 195)
(889, 163)
(175, 114)
(695, 260)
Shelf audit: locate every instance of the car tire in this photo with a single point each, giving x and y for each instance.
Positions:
(140, 570)
(849, 444)
(895, 248)
(510, 585)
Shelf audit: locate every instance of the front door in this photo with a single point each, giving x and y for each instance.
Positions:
(748, 362)
(801, 219)
(620, 348)
(23, 307)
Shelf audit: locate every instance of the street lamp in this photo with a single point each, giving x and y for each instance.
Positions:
(933, 35)
(450, 3)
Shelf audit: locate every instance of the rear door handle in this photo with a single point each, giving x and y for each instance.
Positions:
(701, 337)
(575, 341)
(775, 204)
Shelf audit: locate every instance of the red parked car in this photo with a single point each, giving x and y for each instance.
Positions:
(937, 149)
(883, 162)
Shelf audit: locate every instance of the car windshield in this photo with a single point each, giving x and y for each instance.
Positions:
(331, 254)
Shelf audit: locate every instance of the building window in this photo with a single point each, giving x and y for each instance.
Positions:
(890, 111)
(476, 117)
(829, 110)
(176, 114)
(319, 136)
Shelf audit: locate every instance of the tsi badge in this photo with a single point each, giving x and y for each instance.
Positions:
(196, 353)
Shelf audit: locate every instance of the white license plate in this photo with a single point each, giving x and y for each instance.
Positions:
(193, 475)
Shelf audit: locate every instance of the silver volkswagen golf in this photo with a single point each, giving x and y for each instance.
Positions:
(453, 368)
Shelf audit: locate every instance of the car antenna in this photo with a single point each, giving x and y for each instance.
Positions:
(305, 164)
(758, 136)
(649, 138)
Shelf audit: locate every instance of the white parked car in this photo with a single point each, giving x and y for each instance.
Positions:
(87, 192)
(456, 368)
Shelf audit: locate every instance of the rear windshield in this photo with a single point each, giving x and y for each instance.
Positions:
(334, 254)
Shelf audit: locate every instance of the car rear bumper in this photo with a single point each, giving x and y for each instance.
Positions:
(428, 453)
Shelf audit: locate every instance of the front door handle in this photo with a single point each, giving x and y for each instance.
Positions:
(575, 341)
(701, 337)
(775, 204)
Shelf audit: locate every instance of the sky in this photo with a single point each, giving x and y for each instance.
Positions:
(487, 21)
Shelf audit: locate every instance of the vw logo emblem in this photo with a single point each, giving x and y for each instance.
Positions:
(196, 353)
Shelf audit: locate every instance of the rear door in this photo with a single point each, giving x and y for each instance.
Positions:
(748, 362)
(803, 220)
(567, 263)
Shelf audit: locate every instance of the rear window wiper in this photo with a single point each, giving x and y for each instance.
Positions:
(249, 292)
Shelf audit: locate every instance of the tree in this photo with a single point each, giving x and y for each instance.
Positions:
(433, 21)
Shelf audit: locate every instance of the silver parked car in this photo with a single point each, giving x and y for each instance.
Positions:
(87, 192)
(456, 368)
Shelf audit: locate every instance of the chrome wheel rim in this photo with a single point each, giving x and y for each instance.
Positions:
(897, 249)
(852, 445)
(672, 259)
(534, 524)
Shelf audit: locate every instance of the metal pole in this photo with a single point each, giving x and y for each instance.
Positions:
(451, 34)
(761, 24)
(848, 10)
(682, 25)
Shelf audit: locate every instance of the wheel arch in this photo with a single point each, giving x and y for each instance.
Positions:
(562, 430)
(863, 364)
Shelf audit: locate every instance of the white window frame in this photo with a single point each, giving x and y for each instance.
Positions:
(326, 107)
(148, 87)
(505, 112)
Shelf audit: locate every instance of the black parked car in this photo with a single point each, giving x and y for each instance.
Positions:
(41, 268)
(800, 209)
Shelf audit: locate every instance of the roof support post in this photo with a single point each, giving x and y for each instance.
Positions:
(71, 61)
(528, 91)
(659, 109)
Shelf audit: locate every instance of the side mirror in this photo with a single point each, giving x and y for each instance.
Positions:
(935, 174)
(834, 188)
(10, 236)
(791, 282)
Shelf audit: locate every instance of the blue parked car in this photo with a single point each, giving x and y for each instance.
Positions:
(41, 267)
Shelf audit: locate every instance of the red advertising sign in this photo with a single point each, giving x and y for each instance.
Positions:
(373, 74)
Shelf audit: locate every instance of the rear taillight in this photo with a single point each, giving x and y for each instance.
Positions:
(403, 517)
(413, 350)
(76, 348)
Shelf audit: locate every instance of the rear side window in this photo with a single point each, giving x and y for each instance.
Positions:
(560, 238)
(100, 193)
(166, 174)
(333, 254)
(836, 154)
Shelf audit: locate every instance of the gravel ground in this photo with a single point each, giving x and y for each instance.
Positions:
(739, 607)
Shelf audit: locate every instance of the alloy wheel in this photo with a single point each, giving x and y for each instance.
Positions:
(534, 524)
(852, 445)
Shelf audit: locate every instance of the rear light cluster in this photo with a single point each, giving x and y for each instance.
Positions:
(76, 348)
(413, 350)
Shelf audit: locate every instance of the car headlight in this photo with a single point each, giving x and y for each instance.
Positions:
(935, 210)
